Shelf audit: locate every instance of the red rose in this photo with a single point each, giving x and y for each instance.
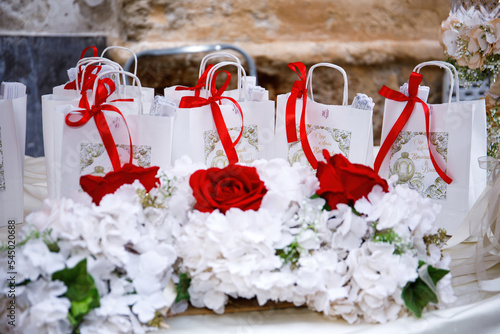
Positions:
(99, 186)
(343, 182)
(231, 187)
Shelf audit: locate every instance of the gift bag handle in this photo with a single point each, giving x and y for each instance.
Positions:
(212, 55)
(242, 87)
(338, 68)
(91, 61)
(123, 48)
(454, 81)
(133, 76)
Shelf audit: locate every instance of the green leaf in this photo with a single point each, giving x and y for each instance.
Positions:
(182, 287)
(436, 274)
(81, 292)
(417, 294)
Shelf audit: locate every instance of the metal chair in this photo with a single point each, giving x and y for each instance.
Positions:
(195, 49)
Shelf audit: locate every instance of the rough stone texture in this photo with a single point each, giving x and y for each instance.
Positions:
(40, 63)
(58, 17)
(263, 21)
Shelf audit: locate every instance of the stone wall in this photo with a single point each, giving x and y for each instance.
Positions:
(377, 41)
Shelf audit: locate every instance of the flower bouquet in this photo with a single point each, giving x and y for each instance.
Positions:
(471, 40)
(342, 241)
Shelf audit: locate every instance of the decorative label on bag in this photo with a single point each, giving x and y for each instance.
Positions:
(411, 162)
(2, 170)
(247, 148)
(320, 138)
(95, 161)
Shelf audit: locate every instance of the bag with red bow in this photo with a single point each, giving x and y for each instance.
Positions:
(105, 135)
(217, 129)
(434, 148)
(304, 127)
(81, 82)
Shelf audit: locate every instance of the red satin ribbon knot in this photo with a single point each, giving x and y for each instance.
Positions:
(202, 81)
(197, 101)
(411, 100)
(88, 81)
(96, 112)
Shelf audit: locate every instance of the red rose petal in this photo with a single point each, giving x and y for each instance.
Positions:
(344, 182)
(99, 186)
(233, 186)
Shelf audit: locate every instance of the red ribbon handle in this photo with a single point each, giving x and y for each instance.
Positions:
(411, 100)
(298, 90)
(96, 112)
(202, 81)
(220, 124)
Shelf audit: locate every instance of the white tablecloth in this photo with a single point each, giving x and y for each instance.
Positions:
(477, 318)
(474, 312)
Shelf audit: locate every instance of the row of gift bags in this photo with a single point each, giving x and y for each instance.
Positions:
(76, 142)
(218, 126)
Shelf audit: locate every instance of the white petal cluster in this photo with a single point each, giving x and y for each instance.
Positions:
(340, 271)
(130, 255)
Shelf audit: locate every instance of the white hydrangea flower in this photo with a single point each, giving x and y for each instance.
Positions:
(35, 259)
(48, 312)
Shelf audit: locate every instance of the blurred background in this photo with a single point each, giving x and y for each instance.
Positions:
(378, 42)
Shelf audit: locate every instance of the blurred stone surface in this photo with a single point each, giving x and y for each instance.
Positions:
(59, 17)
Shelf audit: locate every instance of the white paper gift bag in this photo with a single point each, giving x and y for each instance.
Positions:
(218, 130)
(304, 127)
(142, 139)
(12, 148)
(88, 69)
(478, 175)
(429, 148)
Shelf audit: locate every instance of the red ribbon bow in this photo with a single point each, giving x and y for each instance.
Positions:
(96, 112)
(412, 99)
(197, 101)
(202, 81)
(88, 75)
(299, 90)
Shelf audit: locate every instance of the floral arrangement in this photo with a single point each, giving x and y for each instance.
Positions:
(342, 241)
(472, 42)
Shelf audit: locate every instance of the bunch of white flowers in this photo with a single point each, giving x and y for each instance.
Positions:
(129, 254)
(354, 262)
(348, 262)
